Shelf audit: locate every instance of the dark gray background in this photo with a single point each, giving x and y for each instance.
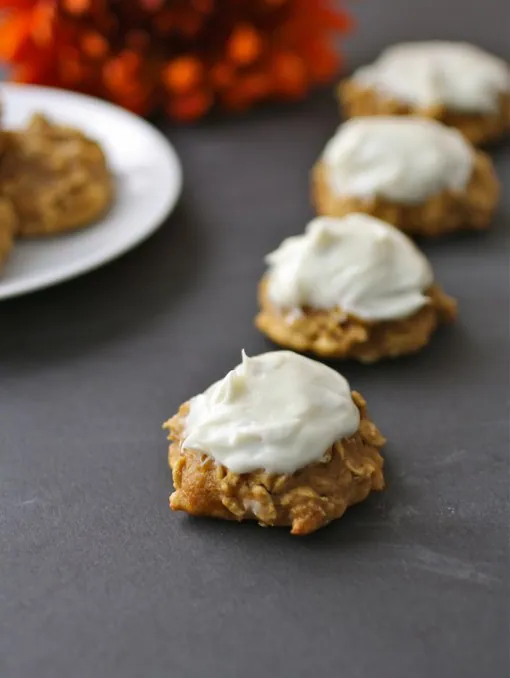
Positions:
(98, 578)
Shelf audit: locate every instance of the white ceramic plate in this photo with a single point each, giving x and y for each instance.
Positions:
(148, 175)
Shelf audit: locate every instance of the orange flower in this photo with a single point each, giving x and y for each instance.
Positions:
(183, 73)
(244, 45)
(184, 56)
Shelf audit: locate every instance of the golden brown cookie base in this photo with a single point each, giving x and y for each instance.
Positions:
(56, 178)
(444, 213)
(7, 229)
(334, 334)
(478, 128)
(306, 500)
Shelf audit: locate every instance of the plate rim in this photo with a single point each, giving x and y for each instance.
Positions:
(97, 260)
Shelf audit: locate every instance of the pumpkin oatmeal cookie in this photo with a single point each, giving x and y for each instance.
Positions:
(454, 83)
(7, 229)
(57, 179)
(296, 452)
(7, 216)
(478, 128)
(336, 334)
(351, 288)
(404, 173)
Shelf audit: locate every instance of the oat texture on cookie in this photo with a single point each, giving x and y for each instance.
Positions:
(417, 174)
(351, 287)
(280, 440)
(56, 178)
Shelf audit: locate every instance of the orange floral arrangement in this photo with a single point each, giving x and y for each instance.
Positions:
(181, 55)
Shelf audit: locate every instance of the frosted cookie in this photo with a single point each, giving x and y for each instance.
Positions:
(280, 440)
(417, 174)
(56, 178)
(353, 287)
(456, 83)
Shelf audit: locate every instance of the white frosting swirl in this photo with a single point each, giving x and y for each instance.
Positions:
(459, 76)
(403, 159)
(358, 263)
(277, 411)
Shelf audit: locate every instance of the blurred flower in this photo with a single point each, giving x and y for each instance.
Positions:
(183, 55)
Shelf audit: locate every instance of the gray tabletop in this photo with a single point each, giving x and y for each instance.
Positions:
(98, 578)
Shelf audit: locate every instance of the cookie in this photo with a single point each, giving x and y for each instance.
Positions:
(355, 288)
(456, 83)
(417, 174)
(57, 179)
(7, 229)
(280, 440)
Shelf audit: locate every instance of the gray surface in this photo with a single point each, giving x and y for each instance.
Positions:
(98, 579)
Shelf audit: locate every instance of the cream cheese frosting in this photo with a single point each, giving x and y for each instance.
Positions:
(277, 411)
(359, 263)
(458, 76)
(403, 159)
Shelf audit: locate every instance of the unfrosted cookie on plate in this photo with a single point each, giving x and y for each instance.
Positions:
(57, 178)
(8, 222)
(352, 287)
(456, 83)
(7, 229)
(415, 173)
(280, 440)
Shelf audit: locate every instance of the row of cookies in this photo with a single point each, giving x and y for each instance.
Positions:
(281, 439)
(352, 286)
(53, 179)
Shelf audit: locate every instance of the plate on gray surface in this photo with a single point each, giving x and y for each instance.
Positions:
(148, 183)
